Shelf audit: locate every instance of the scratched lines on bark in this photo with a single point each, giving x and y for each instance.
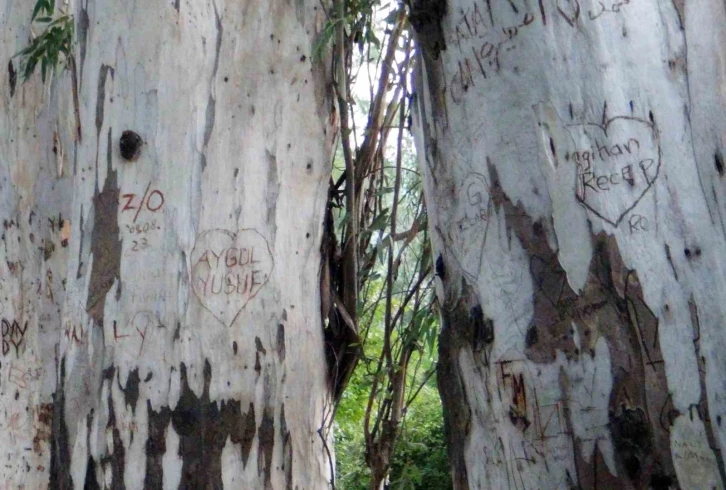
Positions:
(484, 39)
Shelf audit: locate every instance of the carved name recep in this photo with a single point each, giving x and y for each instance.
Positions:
(617, 163)
(229, 269)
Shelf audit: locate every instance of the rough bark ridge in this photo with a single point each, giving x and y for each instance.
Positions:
(160, 304)
(573, 160)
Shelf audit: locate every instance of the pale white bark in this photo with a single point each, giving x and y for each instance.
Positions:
(178, 330)
(576, 203)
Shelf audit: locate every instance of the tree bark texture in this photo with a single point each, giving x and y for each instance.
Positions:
(573, 153)
(161, 323)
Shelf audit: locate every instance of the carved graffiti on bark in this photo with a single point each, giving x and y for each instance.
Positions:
(468, 230)
(229, 269)
(617, 163)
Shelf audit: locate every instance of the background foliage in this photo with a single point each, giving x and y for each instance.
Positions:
(389, 417)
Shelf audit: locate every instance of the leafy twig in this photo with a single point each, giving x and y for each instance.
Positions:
(53, 47)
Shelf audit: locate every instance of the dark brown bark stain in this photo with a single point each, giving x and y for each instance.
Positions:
(131, 391)
(681, 8)
(91, 482)
(105, 244)
(44, 429)
(266, 445)
(156, 447)
(426, 17)
(610, 306)
(286, 449)
(281, 342)
(259, 350)
(117, 459)
(60, 454)
(463, 327)
(12, 77)
(203, 428)
(82, 37)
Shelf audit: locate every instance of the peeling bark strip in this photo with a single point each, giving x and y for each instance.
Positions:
(563, 202)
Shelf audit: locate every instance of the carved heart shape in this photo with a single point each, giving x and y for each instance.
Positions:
(229, 269)
(468, 229)
(617, 163)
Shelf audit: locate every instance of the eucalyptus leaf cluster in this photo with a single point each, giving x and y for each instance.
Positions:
(52, 49)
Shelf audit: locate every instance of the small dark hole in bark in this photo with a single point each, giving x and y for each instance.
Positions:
(226, 79)
(650, 116)
(631, 106)
(718, 159)
(690, 254)
(130, 145)
(440, 268)
(552, 147)
(234, 347)
(307, 235)
(532, 337)
(718, 420)
(303, 58)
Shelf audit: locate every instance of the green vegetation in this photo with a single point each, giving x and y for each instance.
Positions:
(419, 460)
(388, 424)
(53, 47)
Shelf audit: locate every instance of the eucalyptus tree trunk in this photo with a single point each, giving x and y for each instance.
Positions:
(159, 281)
(573, 153)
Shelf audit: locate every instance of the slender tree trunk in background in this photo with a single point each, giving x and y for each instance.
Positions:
(573, 153)
(161, 318)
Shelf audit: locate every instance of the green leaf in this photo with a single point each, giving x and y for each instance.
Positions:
(324, 39)
(379, 223)
(47, 48)
(38, 5)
